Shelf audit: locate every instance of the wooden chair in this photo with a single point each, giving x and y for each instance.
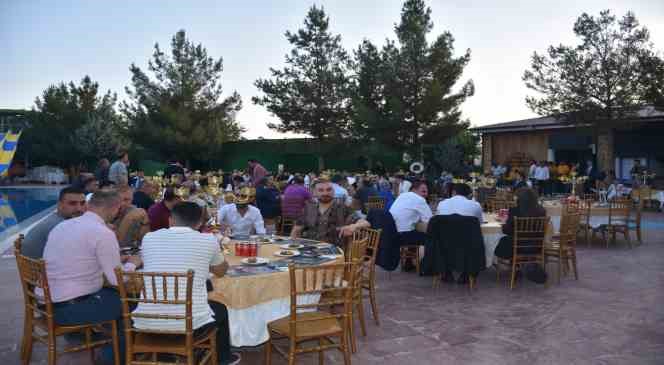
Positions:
(583, 208)
(563, 249)
(368, 278)
(166, 289)
(496, 204)
(529, 235)
(374, 202)
(409, 252)
(312, 322)
(635, 224)
(285, 225)
(618, 221)
(39, 315)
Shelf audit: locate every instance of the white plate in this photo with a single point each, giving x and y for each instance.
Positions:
(295, 253)
(288, 247)
(259, 261)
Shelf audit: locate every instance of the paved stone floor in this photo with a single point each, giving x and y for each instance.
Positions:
(614, 314)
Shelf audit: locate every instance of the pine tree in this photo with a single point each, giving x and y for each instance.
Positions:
(178, 112)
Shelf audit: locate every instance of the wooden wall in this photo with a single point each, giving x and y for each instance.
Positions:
(534, 144)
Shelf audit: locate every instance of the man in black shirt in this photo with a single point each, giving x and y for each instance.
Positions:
(143, 197)
(173, 168)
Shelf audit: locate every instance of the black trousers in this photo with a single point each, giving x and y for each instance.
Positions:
(412, 238)
(221, 323)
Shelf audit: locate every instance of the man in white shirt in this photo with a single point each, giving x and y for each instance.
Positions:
(542, 178)
(408, 210)
(242, 218)
(178, 249)
(340, 193)
(403, 184)
(460, 203)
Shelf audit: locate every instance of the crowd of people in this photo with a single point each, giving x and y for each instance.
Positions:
(109, 210)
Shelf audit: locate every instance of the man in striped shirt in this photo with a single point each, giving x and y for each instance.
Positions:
(178, 249)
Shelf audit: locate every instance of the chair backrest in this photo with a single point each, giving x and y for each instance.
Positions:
(34, 282)
(286, 225)
(337, 282)
(164, 288)
(368, 257)
(495, 204)
(569, 225)
(529, 234)
(619, 210)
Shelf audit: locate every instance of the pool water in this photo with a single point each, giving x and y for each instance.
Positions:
(20, 204)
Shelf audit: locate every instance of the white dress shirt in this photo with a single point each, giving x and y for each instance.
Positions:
(531, 171)
(342, 194)
(178, 249)
(404, 186)
(409, 209)
(460, 205)
(542, 173)
(242, 225)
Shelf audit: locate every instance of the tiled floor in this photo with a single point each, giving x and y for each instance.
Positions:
(613, 315)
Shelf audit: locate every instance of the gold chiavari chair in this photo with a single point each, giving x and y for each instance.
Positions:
(170, 289)
(368, 278)
(316, 321)
(563, 249)
(619, 210)
(527, 245)
(635, 224)
(39, 315)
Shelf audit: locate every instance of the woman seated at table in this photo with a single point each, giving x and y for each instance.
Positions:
(526, 206)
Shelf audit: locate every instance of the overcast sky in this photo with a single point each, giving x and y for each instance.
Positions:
(45, 42)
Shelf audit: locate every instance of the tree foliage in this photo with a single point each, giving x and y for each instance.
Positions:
(59, 121)
(178, 111)
(311, 93)
(453, 154)
(609, 75)
(404, 94)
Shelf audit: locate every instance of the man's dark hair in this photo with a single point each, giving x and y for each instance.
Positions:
(169, 195)
(104, 198)
(122, 154)
(463, 190)
(337, 178)
(416, 185)
(187, 213)
(70, 190)
(298, 180)
(252, 160)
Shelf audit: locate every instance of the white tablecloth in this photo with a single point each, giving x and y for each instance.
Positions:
(248, 326)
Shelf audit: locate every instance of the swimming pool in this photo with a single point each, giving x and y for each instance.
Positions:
(24, 204)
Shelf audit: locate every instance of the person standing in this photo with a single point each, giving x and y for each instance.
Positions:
(542, 177)
(101, 173)
(117, 173)
(257, 170)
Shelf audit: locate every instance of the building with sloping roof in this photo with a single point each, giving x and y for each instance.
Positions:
(547, 138)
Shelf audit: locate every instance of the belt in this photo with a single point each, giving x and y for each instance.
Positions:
(72, 301)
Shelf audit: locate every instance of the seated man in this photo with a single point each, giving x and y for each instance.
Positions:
(160, 213)
(132, 223)
(71, 204)
(143, 196)
(408, 210)
(461, 203)
(242, 218)
(79, 254)
(326, 220)
(178, 249)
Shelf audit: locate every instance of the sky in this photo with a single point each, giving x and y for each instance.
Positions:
(46, 42)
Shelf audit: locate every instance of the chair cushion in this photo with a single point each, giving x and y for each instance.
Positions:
(311, 328)
(166, 343)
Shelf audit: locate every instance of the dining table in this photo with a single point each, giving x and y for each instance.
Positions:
(258, 294)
